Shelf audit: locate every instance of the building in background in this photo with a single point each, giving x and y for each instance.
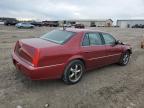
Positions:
(89, 22)
(130, 23)
(56, 23)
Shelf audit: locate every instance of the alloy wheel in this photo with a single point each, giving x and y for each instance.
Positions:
(75, 72)
(126, 58)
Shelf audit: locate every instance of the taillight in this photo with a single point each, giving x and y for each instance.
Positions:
(36, 58)
(16, 45)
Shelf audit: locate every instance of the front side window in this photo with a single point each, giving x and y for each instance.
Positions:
(92, 39)
(58, 36)
(109, 39)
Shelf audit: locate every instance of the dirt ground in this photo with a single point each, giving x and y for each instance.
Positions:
(112, 86)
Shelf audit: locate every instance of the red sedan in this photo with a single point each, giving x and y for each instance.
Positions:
(67, 54)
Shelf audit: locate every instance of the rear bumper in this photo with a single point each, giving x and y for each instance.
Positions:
(130, 50)
(38, 73)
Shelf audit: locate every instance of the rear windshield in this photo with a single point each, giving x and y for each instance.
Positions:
(58, 36)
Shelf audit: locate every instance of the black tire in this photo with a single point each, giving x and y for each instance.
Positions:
(20, 27)
(124, 60)
(73, 73)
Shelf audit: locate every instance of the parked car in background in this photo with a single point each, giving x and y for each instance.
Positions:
(67, 25)
(68, 53)
(35, 23)
(92, 25)
(50, 23)
(24, 25)
(79, 26)
(1, 22)
(10, 21)
(138, 26)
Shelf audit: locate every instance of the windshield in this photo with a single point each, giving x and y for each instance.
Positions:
(58, 36)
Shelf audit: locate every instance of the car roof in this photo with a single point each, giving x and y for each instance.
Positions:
(81, 30)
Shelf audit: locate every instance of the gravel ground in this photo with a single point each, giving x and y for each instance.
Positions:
(112, 86)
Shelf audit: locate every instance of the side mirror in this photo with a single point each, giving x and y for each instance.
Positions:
(118, 42)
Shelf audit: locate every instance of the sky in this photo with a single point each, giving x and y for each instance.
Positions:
(72, 9)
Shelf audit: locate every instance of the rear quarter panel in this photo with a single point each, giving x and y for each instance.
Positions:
(61, 54)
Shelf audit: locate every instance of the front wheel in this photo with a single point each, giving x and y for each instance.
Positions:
(124, 58)
(73, 72)
(32, 27)
(20, 27)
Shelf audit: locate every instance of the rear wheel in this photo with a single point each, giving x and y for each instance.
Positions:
(20, 27)
(124, 58)
(73, 72)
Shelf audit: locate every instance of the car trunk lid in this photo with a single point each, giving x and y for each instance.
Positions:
(29, 49)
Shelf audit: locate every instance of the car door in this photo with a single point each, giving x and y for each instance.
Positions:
(93, 50)
(23, 24)
(113, 50)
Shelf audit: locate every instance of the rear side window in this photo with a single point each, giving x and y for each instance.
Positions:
(58, 36)
(109, 39)
(86, 41)
(92, 39)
